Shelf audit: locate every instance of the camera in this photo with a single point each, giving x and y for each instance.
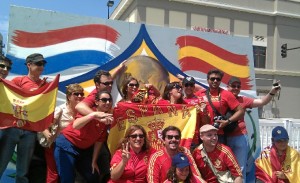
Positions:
(216, 124)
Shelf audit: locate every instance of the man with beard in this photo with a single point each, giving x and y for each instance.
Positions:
(161, 161)
(222, 100)
(213, 158)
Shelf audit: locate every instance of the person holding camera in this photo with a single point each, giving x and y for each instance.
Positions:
(219, 102)
(237, 140)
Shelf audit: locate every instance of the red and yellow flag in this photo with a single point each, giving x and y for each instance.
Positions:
(200, 55)
(154, 118)
(35, 107)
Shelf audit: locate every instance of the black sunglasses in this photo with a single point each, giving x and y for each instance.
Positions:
(235, 86)
(78, 93)
(7, 67)
(107, 83)
(41, 63)
(104, 100)
(177, 86)
(134, 136)
(170, 137)
(213, 79)
(133, 85)
(189, 84)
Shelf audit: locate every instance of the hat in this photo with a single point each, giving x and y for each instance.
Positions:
(206, 128)
(35, 57)
(279, 133)
(234, 79)
(188, 79)
(180, 160)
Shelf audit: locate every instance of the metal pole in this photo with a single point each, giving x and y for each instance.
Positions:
(107, 12)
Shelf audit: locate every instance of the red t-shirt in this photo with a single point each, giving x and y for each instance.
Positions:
(93, 131)
(136, 167)
(26, 83)
(241, 129)
(228, 101)
(90, 99)
(160, 163)
(222, 158)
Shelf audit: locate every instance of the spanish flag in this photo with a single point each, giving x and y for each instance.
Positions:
(154, 118)
(201, 55)
(34, 107)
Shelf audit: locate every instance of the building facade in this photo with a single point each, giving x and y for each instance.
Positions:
(269, 23)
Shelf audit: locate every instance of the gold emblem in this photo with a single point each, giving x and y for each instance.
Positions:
(154, 134)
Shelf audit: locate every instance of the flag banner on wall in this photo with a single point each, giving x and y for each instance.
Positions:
(36, 108)
(154, 118)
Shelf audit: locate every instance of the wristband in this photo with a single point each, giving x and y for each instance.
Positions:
(272, 94)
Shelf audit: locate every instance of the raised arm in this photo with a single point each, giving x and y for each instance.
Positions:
(267, 98)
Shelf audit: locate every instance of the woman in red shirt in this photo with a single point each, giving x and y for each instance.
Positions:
(130, 161)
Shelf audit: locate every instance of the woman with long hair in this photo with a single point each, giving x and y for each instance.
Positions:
(172, 94)
(130, 161)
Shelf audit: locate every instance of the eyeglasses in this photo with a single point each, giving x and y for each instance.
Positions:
(133, 85)
(107, 83)
(78, 93)
(7, 67)
(189, 84)
(213, 79)
(41, 63)
(105, 100)
(235, 86)
(134, 136)
(177, 86)
(170, 137)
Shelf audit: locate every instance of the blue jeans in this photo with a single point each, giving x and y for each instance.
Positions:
(240, 147)
(25, 141)
(68, 158)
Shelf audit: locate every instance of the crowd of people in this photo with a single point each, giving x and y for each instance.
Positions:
(75, 144)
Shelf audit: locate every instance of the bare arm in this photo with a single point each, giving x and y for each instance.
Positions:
(267, 98)
(238, 180)
(83, 108)
(118, 69)
(104, 118)
(96, 152)
(239, 114)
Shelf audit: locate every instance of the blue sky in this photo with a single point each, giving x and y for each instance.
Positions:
(94, 8)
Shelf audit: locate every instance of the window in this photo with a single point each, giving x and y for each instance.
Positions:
(259, 55)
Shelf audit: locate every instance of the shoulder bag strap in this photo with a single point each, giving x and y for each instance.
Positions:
(207, 160)
(211, 104)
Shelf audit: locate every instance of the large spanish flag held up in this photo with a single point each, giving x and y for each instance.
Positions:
(35, 107)
(154, 118)
(200, 55)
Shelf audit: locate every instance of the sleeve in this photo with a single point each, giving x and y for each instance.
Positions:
(231, 100)
(17, 81)
(231, 162)
(116, 159)
(193, 165)
(57, 113)
(247, 102)
(90, 99)
(153, 173)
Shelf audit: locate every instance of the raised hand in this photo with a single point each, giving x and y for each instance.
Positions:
(125, 152)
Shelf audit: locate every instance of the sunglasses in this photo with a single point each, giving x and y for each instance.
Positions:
(170, 137)
(189, 84)
(105, 100)
(7, 67)
(78, 93)
(41, 63)
(134, 136)
(235, 86)
(177, 86)
(133, 85)
(107, 83)
(213, 79)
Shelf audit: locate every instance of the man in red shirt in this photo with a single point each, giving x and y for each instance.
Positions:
(211, 154)
(222, 100)
(237, 140)
(161, 161)
(24, 139)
